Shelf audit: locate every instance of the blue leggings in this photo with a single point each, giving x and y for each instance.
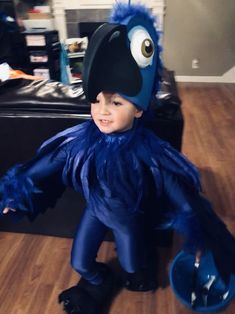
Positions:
(129, 239)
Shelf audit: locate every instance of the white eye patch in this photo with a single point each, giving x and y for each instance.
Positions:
(142, 46)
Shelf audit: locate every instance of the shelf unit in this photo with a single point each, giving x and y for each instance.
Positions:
(43, 53)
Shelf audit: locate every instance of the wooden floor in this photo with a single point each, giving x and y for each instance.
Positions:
(34, 269)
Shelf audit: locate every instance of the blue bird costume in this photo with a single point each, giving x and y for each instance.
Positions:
(117, 172)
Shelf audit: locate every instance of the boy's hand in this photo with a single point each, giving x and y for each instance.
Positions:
(7, 210)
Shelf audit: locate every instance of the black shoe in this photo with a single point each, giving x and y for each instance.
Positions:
(142, 280)
(87, 298)
(77, 301)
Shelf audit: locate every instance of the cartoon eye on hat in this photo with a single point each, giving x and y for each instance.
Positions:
(142, 46)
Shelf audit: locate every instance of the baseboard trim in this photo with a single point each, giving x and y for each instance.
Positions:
(227, 77)
(204, 79)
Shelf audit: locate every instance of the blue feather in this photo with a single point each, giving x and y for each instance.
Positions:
(113, 165)
(122, 11)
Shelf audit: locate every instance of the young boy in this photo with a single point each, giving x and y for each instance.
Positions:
(114, 118)
(117, 164)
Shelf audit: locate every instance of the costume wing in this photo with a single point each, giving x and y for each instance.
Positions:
(192, 215)
(32, 187)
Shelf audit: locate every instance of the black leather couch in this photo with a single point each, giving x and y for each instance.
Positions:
(32, 111)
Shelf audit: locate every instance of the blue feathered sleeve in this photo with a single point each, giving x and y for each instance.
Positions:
(32, 187)
(15, 190)
(193, 217)
(186, 210)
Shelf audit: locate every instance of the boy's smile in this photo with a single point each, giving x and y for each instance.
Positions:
(113, 113)
(104, 122)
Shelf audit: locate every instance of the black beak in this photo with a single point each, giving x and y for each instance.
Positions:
(109, 65)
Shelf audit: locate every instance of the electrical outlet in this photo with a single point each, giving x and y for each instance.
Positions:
(195, 64)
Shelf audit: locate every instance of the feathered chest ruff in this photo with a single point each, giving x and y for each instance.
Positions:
(110, 168)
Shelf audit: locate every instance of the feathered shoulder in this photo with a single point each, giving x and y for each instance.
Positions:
(164, 157)
(78, 132)
(139, 144)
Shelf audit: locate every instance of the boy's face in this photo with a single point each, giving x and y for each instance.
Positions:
(112, 113)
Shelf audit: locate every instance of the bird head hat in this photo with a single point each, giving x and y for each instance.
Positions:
(123, 56)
